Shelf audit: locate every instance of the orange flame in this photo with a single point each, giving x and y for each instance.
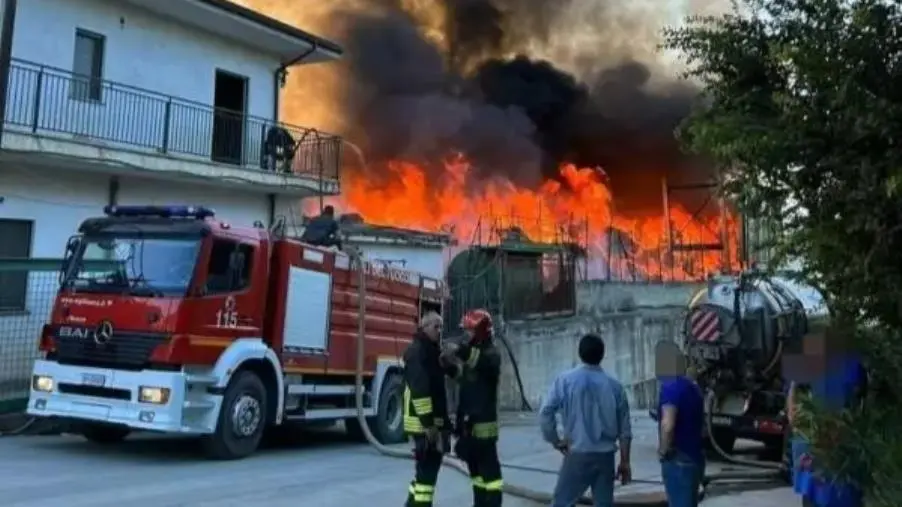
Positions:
(580, 210)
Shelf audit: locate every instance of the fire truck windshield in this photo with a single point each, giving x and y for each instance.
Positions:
(139, 266)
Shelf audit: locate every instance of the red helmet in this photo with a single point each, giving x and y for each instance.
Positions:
(478, 321)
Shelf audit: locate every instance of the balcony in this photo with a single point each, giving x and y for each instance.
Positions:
(99, 125)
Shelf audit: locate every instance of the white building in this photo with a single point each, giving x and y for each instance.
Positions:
(412, 250)
(150, 102)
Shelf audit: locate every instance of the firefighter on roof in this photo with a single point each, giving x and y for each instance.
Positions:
(425, 408)
(477, 412)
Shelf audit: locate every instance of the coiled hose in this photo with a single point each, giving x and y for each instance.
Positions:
(449, 461)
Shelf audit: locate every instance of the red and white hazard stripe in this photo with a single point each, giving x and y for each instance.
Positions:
(705, 325)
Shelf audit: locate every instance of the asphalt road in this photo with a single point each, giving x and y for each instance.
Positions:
(322, 468)
(318, 468)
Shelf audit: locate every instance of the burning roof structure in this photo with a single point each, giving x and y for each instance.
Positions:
(553, 112)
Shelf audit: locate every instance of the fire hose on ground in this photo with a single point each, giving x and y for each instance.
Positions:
(775, 470)
(20, 430)
(639, 500)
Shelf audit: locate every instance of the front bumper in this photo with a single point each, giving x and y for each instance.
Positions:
(190, 409)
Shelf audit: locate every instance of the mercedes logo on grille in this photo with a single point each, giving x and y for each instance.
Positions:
(104, 333)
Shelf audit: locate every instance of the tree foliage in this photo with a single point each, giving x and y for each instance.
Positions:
(803, 108)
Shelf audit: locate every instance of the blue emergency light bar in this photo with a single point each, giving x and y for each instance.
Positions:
(195, 212)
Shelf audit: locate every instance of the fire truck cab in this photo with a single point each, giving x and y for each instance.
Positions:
(193, 326)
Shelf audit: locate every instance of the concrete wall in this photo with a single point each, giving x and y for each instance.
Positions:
(631, 319)
(595, 297)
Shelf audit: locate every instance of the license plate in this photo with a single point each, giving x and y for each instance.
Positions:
(93, 379)
(720, 420)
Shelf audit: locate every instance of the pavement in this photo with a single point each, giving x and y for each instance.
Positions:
(322, 468)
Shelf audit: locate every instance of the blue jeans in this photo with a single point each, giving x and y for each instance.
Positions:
(586, 470)
(682, 478)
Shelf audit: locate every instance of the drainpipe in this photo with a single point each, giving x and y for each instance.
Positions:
(278, 82)
(6, 53)
(279, 77)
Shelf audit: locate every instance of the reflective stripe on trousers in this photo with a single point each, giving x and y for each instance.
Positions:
(421, 493)
(480, 483)
(484, 430)
(481, 457)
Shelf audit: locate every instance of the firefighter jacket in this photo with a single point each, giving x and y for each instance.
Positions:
(477, 411)
(425, 397)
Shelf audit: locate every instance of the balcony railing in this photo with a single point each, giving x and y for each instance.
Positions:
(53, 101)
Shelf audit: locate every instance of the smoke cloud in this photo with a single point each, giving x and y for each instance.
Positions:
(518, 86)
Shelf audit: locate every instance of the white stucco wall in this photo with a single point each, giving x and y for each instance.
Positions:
(58, 202)
(237, 208)
(142, 49)
(158, 56)
(426, 261)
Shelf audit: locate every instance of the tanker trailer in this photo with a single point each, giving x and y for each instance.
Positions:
(736, 333)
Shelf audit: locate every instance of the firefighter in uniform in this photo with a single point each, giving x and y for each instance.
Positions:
(477, 414)
(425, 408)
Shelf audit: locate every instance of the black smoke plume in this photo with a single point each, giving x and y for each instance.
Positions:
(513, 116)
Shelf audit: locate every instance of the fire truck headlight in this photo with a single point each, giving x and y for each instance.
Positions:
(42, 383)
(154, 395)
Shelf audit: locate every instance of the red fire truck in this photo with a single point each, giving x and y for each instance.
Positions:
(197, 327)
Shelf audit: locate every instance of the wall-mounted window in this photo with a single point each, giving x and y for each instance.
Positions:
(87, 66)
(16, 244)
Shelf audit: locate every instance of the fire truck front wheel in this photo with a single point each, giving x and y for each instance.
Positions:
(241, 419)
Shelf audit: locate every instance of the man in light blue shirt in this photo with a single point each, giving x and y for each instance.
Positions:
(596, 419)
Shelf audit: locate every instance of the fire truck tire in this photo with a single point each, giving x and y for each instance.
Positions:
(242, 419)
(388, 426)
(104, 433)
